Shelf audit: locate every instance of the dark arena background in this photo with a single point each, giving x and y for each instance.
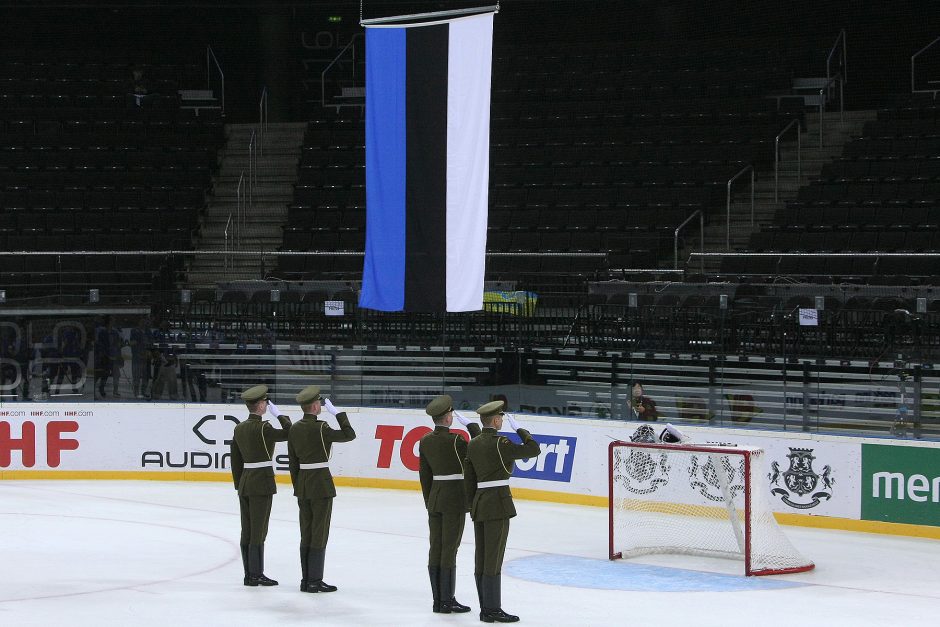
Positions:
(735, 204)
(720, 215)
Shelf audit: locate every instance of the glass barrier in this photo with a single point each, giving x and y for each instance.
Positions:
(860, 372)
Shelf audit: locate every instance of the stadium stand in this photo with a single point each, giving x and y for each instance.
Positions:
(84, 166)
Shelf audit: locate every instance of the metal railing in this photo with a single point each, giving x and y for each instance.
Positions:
(211, 61)
(823, 97)
(914, 56)
(675, 239)
(842, 58)
(728, 206)
(252, 167)
(799, 165)
(350, 48)
(262, 119)
(239, 210)
(226, 261)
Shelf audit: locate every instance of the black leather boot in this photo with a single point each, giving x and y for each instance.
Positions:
(304, 567)
(256, 575)
(448, 585)
(479, 579)
(315, 560)
(244, 548)
(492, 612)
(434, 573)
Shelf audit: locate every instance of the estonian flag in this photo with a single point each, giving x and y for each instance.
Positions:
(427, 165)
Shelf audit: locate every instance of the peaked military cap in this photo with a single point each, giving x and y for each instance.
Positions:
(308, 394)
(255, 393)
(439, 405)
(493, 407)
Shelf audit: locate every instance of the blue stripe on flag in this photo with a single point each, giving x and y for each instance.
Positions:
(383, 275)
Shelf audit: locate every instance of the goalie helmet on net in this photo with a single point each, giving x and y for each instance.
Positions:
(671, 435)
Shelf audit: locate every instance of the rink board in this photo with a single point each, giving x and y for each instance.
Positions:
(828, 481)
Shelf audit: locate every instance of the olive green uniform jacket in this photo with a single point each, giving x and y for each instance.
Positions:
(490, 457)
(310, 441)
(254, 441)
(442, 452)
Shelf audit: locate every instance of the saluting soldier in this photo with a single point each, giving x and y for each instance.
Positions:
(309, 446)
(441, 456)
(490, 460)
(253, 472)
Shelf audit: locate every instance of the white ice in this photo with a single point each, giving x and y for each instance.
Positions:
(166, 554)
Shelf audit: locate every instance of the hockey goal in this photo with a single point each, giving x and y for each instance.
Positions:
(697, 500)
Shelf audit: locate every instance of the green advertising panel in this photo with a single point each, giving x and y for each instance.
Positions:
(901, 484)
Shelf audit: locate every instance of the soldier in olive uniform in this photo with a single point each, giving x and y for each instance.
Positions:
(253, 472)
(489, 464)
(309, 446)
(441, 454)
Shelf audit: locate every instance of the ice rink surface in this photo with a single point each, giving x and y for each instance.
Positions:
(166, 554)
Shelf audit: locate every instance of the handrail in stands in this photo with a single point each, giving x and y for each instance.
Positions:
(262, 119)
(675, 239)
(825, 92)
(822, 104)
(210, 59)
(239, 204)
(352, 45)
(844, 64)
(252, 172)
(228, 247)
(914, 56)
(799, 165)
(728, 209)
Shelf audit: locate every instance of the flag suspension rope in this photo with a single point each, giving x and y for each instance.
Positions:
(422, 19)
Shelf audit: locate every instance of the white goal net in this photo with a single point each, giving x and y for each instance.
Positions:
(698, 500)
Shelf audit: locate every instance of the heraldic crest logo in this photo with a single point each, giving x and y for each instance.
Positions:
(717, 482)
(641, 472)
(801, 480)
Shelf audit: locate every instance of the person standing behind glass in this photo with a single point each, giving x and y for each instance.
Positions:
(140, 358)
(643, 407)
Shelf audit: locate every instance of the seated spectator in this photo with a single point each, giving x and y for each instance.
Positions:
(138, 88)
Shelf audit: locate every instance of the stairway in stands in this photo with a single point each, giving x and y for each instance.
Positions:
(263, 218)
(813, 157)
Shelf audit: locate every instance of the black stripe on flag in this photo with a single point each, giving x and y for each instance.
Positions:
(426, 176)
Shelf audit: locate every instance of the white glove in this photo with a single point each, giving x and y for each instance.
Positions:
(671, 435)
(512, 422)
(328, 405)
(273, 410)
(460, 418)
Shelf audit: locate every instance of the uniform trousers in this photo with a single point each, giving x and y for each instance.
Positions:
(490, 537)
(446, 532)
(255, 513)
(315, 521)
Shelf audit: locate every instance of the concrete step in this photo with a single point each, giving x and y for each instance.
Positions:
(222, 262)
(230, 170)
(257, 197)
(257, 231)
(269, 160)
(255, 215)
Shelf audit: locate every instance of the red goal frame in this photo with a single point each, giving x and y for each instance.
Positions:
(695, 448)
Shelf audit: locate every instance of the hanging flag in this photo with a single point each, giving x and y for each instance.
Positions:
(427, 165)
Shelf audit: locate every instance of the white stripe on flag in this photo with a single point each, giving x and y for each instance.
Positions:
(470, 58)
